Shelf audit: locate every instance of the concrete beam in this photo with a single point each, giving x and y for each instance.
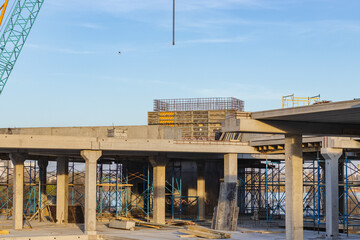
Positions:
(18, 190)
(68, 143)
(159, 165)
(201, 193)
(91, 158)
(294, 187)
(62, 190)
(248, 125)
(230, 168)
(331, 157)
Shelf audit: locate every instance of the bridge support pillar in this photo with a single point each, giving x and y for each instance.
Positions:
(91, 157)
(201, 189)
(331, 157)
(230, 168)
(18, 190)
(62, 190)
(42, 193)
(294, 187)
(159, 164)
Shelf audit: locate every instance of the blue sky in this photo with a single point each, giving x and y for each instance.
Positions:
(70, 73)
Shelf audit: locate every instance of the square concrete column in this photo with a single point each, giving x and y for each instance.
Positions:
(331, 157)
(294, 187)
(42, 193)
(159, 164)
(91, 158)
(18, 190)
(230, 168)
(62, 190)
(201, 193)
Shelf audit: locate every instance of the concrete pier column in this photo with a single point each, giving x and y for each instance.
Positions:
(91, 158)
(42, 193)
(201, 193)
(159, 165)
(294, 187)
(331, 157)
(242, 193)
(18, 190)
(230, 168)
(62, 190)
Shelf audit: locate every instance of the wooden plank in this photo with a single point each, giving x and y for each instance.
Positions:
(201, 234)
(187, 236)
(204, 229)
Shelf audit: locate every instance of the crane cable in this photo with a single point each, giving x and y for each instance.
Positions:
(173, 43)
(7, 16)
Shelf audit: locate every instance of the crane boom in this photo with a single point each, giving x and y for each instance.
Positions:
(15, 34)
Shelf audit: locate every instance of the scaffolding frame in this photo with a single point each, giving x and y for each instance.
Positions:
(252, 193)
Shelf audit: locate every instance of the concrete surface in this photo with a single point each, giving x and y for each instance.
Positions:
(49, 231)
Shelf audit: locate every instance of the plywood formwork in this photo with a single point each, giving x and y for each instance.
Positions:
(201, 125)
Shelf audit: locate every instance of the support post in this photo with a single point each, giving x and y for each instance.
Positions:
(230, 168)
(331, 157)
(18, 190)
(242, 192)
(62, 190)
(91, 157)
(201, 193)
(159, 164)
(42, 192)
(294, 187)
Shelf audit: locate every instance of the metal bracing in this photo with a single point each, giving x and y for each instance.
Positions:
(251, 182)
(15, 34)
(6, 193)
(109, 197)
(351, 200)
(252, 186)
(31, 188)
(182, 207)
(275, 190)
(77, 184)
(137, 203)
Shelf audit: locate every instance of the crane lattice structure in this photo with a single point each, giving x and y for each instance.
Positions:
(15, 34)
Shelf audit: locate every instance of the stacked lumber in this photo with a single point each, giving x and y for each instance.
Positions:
(202, 232)
(148, 224)
(227, 212)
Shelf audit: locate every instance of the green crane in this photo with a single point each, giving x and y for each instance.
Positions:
(15, 33)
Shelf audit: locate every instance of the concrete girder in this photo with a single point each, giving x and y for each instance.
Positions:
(248, 125)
